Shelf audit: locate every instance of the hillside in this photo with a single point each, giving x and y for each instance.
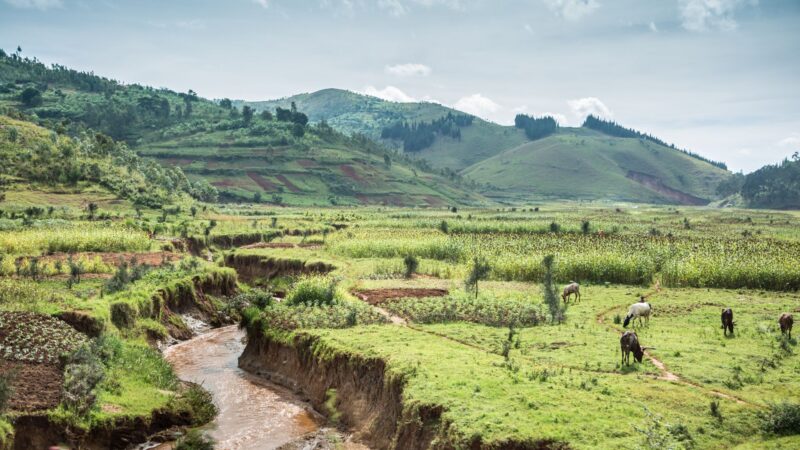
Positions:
(578, 163)
(353, 113)
(246, 156)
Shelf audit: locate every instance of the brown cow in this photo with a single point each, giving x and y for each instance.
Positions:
(628, 343)
(727, 321)
(786, 321)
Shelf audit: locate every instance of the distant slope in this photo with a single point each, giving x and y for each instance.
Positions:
(245, 158)
(350, 113)
(578, 163)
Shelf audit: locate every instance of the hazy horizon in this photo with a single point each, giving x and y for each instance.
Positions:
(717, 77)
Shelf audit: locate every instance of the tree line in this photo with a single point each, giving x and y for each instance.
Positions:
(612, 128)
(536, 127)
(418, 136)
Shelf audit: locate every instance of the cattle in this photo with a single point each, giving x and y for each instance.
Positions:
(727, 321)
(638, 310)
(572, 288)
(786, 321)
(628, 343)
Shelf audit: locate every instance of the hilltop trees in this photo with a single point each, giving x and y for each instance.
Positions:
(612, 128)
(774, 186)
(536, 127)
(418, 136)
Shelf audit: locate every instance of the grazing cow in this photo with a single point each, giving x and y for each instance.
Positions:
(572, 288)
(786, 321)
(727, 321)
(628, 343)
(638, 310)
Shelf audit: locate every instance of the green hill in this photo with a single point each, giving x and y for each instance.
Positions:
(247, 157)
(578, 163)
(352, 113)
(575, 163)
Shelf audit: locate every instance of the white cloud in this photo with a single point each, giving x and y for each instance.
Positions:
(389, 93)
(528, 28)
(264, 3)
(791, 141)
(37, 4)
(408, 70)
(477, 105)
(705, 15)
(583, 107)
(653, 27)
(395, 7)
(572, 9)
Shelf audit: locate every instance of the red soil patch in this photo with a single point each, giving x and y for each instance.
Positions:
(178, 161)
(113, 259)
(381, 199)
(350, 172)
(263, 182)
(433, 201)
(223, 183)
(309, 245)
(378, 296)
(35, 386)
(289, 185)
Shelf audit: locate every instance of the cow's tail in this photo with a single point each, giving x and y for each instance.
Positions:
(627, 320)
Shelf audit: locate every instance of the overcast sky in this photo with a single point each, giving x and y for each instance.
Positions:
(719, 77)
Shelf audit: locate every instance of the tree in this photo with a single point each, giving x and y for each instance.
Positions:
(31, 97)
(91, 209)
(247, 114)
(257, 197)
(298, 130)
(411, 263)
(193, 210)
(266, 115)
(536, 127)
(479, 271)
(549, 292)
(226, 103)
(387, 160)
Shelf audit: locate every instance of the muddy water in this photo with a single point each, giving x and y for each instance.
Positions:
(253, 414)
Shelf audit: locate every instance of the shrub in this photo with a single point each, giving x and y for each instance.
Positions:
(83, 372)
(781, 418)
(123, 315)
(443, 227)
(550, 295)
(411, 264)
(313, 291)
(555, 227)
(194, 440)
(197, 402)
(479, 271)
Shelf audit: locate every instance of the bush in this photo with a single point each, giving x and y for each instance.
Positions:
(411, 264)
(782, 419)
(194, 440)
(197, 402)
(83, 372)
(313, 291)
(123, 315)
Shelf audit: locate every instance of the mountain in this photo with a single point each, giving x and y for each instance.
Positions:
(245, 156)
(601, 160)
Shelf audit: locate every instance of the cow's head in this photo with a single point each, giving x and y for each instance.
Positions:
(638, 352)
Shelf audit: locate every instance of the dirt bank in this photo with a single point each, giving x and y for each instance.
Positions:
(364, 399)
(253, 267)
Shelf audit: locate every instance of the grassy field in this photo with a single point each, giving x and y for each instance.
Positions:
(496, 364)
(455, 351)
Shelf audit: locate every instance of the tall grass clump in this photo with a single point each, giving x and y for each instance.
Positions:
(313, 291)
(89, 238)
(411, 264)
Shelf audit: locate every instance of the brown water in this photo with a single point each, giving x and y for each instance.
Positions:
(253, 414)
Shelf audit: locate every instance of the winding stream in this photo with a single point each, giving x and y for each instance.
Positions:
(253, 414)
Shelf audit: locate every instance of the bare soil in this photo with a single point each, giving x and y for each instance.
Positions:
(378, 296)
(262, 182)
(34, 386)
(289, 185)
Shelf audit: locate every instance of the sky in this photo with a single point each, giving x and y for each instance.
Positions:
(718, 77)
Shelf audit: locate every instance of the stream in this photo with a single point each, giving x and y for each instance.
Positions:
(253, 413)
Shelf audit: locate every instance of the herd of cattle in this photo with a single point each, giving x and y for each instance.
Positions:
(641, 311)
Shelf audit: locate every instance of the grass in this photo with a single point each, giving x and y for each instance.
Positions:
(593, 166)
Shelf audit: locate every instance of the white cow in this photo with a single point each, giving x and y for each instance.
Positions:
(638, 310)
